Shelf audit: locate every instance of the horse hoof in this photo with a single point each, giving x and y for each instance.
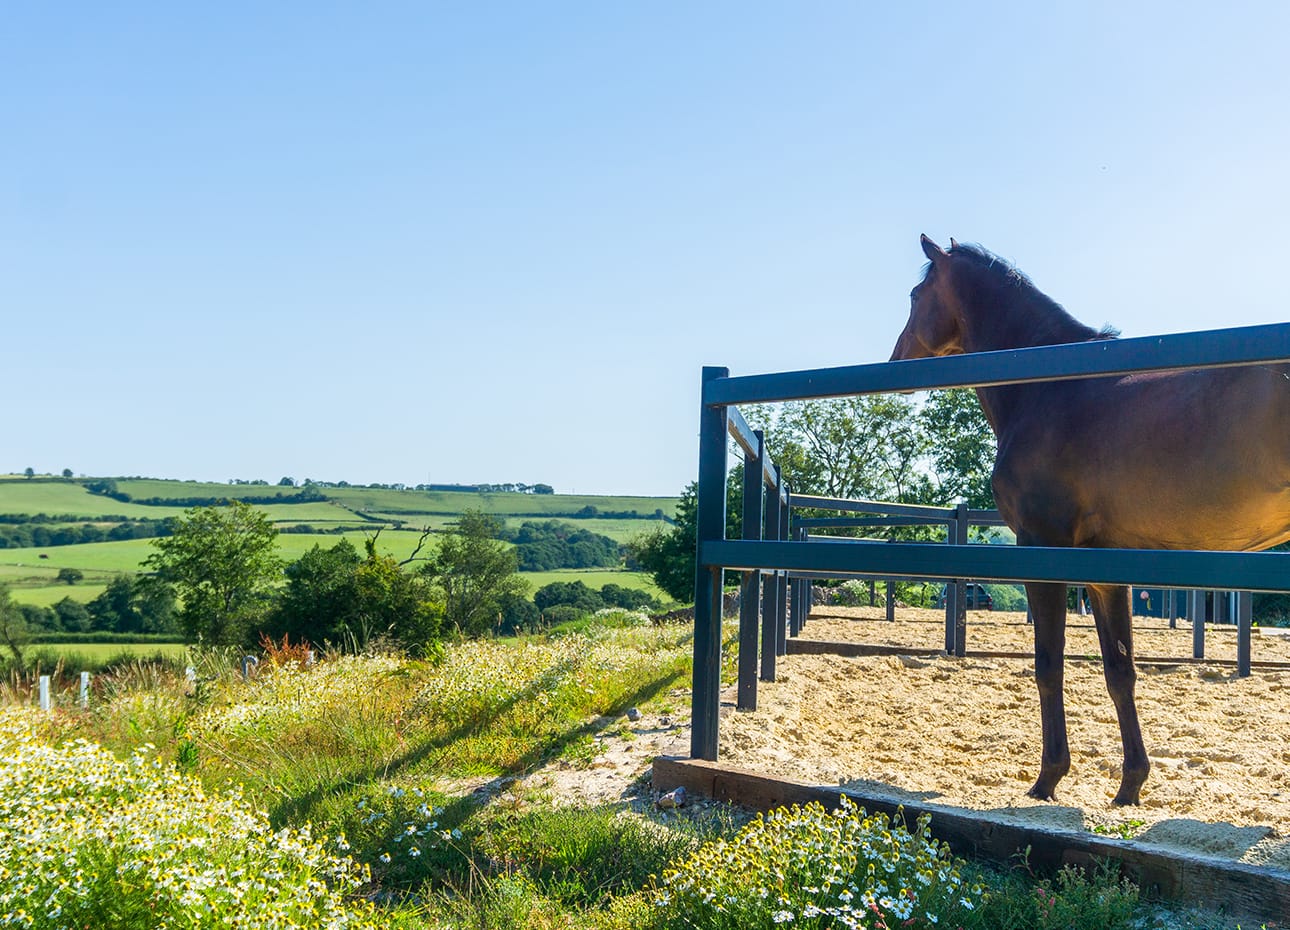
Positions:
(1126, 799)
(1041, 793)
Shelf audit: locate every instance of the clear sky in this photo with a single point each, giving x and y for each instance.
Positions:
(460, 242)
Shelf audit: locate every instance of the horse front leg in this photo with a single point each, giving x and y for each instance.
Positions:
(1048, 609)
(1111, 612)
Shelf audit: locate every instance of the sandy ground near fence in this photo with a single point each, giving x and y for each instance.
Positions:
(966, 733)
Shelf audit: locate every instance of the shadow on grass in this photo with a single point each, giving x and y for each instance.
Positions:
(299, 808)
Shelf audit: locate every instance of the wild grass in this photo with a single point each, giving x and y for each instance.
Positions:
(363, 766)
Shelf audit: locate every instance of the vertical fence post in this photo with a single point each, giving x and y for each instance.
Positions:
(1244, 621)
(1197, 624)
(750, 583)
(714, 422)
(770, 593)
(85, 689)
(797, 601)
(960, 618)
(951, 594)
(891, 601)
(781, 590)
(45, 702)
(1172, 595)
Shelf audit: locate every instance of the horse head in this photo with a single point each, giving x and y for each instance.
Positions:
(935, 325)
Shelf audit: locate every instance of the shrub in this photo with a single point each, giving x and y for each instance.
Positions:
(818, 869)
(94, 841)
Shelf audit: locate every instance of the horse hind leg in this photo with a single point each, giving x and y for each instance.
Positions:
(1048, 608)
(1111, 612)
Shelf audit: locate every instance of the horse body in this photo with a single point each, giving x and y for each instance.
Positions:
(1106, 462)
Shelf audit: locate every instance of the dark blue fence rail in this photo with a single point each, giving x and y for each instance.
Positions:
(769, 550)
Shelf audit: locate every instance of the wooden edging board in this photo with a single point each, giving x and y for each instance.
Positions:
(1240, 890)
(816, 647)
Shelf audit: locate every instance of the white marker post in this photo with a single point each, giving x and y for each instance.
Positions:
(45, 703)
(85, 689)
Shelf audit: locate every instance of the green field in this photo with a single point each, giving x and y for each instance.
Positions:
(30, 572)
(98, 653)
(596, 578)
(66, 498)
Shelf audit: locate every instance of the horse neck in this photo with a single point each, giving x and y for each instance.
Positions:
(1015, 316)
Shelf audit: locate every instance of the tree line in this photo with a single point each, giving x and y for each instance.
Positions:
(938, 450)
(38, 535)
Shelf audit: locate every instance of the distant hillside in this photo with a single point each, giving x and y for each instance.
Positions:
(152, 498)
(49, 523)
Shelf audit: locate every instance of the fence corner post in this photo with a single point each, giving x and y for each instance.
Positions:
(714, 423)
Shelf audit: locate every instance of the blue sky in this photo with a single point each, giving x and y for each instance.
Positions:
(497, 242)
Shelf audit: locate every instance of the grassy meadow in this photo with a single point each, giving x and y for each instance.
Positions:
(361, 512)
(345, 794)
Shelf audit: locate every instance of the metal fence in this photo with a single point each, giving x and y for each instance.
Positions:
(771, 556)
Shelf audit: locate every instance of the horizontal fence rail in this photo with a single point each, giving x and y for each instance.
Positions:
(1217, 348)
(1244, 571)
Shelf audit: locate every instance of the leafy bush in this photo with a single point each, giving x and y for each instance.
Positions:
(550, 544)
(563, 613)
(136, 844)
(818, 869)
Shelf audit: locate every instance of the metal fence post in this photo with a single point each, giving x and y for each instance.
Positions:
(770, 594)
(750, 585)
(781, 583)
(714, 422)
(1244, 621)
(960, 617)
(797, 601)
(951, 594)
(1197, 624)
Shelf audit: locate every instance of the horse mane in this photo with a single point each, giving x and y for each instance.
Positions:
(1006, 274)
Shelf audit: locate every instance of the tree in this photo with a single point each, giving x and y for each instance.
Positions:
(962, 447)
(30, 472)
(286, 482)
(320, 601)
(70, 575)
(67, 473)
(13, 626)
(223, 562)
(390, 601)
(850, 447)
(73, 616)
(669, 555)
(130, 605)
(475, 571)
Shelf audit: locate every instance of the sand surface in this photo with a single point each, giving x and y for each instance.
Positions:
(965, 732)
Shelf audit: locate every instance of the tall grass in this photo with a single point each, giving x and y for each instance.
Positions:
(353, 767)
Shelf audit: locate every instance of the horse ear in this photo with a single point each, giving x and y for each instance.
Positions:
(933, 251)
(953, 244)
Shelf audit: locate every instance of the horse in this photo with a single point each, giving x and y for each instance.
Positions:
(1106, 462)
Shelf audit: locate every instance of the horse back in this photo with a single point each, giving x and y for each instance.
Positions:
(1180, 460)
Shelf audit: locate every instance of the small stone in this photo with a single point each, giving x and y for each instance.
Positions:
(633, 714)
(672, 800)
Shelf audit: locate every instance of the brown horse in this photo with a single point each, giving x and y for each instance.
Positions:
(1106, 462)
